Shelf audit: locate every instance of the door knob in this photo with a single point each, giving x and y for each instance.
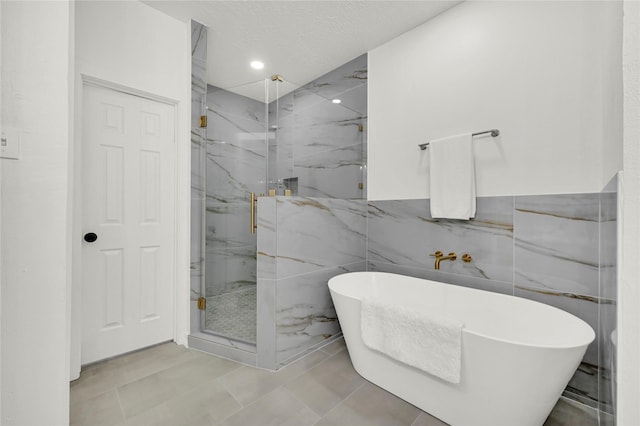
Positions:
(90, 237)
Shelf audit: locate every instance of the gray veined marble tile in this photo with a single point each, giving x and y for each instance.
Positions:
(281, 109)
(198, 41)
(312, 110)
(266, 324)
(225, 126)
(305, 315)
(318, 139)
(266, 238)
(281, 141)
(556, 242)
(607, 360)
(272, 166)
(197, 214)
(236, 107)
(235, 162)
(584, 307)
(332, 174)
(608, 246)
(443, 277)
(342, 79)
(403, 233)
(197, 171)
(230, 269)
(584, 384)
(198, 75)
(355, 99)
(229, 225)
(197, 109)
(577, 207)
(314, 234)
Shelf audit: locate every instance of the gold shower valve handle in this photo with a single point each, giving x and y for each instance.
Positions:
(466, 258)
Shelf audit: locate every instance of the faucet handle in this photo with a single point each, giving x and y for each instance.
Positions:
(453, 256)
(437, 254)
(466, 258)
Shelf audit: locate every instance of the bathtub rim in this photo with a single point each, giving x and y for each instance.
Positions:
(333, 280)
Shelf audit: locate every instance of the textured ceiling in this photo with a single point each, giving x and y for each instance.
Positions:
(301, 40)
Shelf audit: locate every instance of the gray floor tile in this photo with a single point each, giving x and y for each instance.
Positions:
(207, 404)
(326, 384)
(101, 410)
(172, 385)
(247, 384)
(369, 406)
(106, 375)
(334, 347)
(143, 394)
(425, 419)
(276, 408)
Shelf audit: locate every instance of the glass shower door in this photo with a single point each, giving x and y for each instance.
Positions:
(236, 167)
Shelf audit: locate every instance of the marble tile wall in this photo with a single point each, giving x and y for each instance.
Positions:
(320, 142)
(302, 243)
(556, 249)
(235, 167)
(198, 95)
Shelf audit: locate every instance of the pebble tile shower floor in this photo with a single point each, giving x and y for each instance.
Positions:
(171, 385)
(233, 314)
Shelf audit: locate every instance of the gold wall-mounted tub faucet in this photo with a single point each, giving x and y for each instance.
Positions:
(440, 256)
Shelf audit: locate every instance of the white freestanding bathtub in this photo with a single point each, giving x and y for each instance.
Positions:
(517, 355)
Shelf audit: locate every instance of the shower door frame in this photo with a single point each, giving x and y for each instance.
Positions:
(218, 337)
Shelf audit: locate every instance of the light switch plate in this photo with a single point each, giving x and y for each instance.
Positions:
(10, 143)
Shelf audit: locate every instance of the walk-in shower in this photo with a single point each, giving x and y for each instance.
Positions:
(272, 146)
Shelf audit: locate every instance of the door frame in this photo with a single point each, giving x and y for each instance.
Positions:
(77, 209)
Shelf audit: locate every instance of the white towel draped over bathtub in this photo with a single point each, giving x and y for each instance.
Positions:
(427, 341)
(452, 178)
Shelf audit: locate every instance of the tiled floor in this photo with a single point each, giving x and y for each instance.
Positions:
(172, 385)
(233, 314)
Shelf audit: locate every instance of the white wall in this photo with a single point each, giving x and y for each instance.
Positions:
(543, 73)
(36, 54)
(628, 376)
(134, 45)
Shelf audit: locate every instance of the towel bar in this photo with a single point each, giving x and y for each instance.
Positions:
(494, 133)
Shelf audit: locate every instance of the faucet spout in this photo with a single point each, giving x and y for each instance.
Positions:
(440, 257)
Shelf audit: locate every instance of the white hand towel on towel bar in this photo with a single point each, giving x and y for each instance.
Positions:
(430, 342)
(452, 178)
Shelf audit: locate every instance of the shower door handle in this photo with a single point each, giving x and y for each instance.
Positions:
(254, 199)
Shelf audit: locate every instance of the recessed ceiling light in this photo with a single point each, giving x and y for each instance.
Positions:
(336, 101)
(257, 65)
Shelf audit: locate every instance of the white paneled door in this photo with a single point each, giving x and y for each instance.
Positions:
(128, 202)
